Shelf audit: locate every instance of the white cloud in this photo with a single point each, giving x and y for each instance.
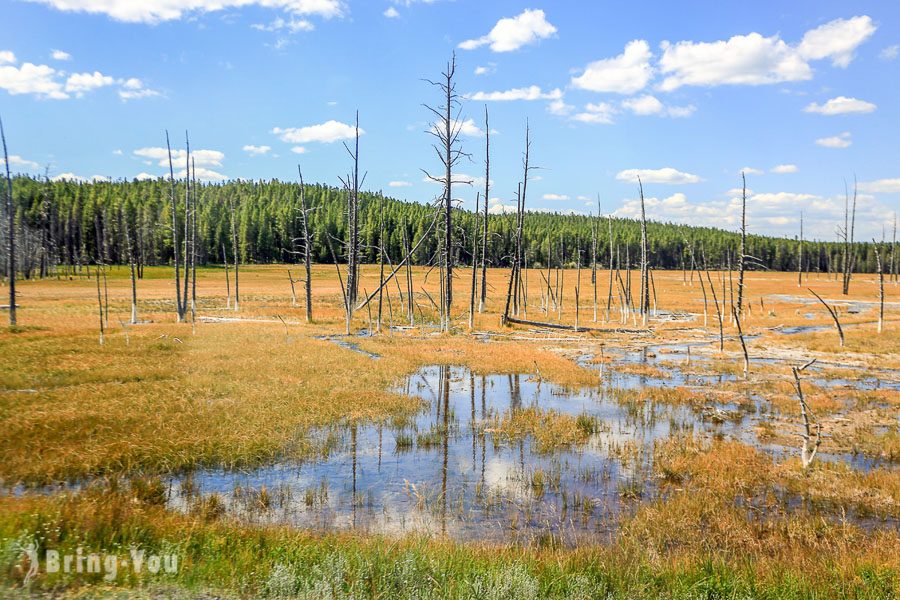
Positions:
(783, 169)
(841, 105)
(664, 175)
(842, 140)
(890, 53)
(560, 108)
(391, 13)
(512, 33)
(497, 207)
(118, 152)
(650, 105)
(60, 55)
(39, 80)
(627, 73)
(133, 89)
(18, 161)
(154, 11)
(256, 150)
(79, 83)
(298, 150)
(202, 174)
(837, 40)
(291, 25)
(753, 59)
(142, 176)
(399, 184)
(751, 171)
(555, 197)
(202, 158)
(881, 186)
(69, 177)
(486, 69)
(525, 93)
(601, 113)
(7, 57)
(328, 132)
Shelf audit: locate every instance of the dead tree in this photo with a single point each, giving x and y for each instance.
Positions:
(131, 264)
(381, 254)
(849, 255)
(609, 292)
(737, 321)
(800, 254)
(487, 190)
(307, 246)
(194, 212)
(474, 265)
(234, 250)
(227, 282)
(594, 242)
(893, 268)
(718, 312)
(352, 184)
(742, 255)
(645, 275)
(880, 265)
(11, 221)
(187, 227)
(293, 289)
(446, 129)
(179, 308)
(831, 311)
(99, 304)
(806, 454)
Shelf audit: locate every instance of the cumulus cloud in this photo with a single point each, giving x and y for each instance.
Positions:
(627, 73)
(16, 161)
(60, 55)
(555, 197)
(155, 11)
(512, 33)
(327, 132)
(291, 25)
(79, 83)
(783, 169)
(842, 140)
(497, 207)
(256, 150)
(601, 112)
(881, 186)
(664, 175)
(775, 213)
(69, 177)
(45, 82)
(391, 13)
(524, 93)
(751, 171)
(486, 69)
(650, 105)
(753, 59)
(201, 158)
(840, 106)
(298, 150)
(890, 53)
(560, 108)
(142, 176)
(399, 184)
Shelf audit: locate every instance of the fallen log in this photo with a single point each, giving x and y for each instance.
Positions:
(572, 328)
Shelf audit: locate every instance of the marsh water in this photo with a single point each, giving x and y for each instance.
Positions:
(448, 470)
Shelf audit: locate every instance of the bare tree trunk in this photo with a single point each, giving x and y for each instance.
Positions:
(179, 311)
(293, 291)
(187, 227)
(743, 249)
(718, 313)
(134, 317)
(806, 455)
(737, 321)
(381, 254)
(577, 282)
(194, 212)
(307, 247)
(99, 304)
(227, 282)
(645, 277)
(11, 249)
(849, 255)
(800, 254)
(487, 188)
(609, 293)
(893, 269)
(833, 314)
(234, 250)
(880, 287)
(474, 265)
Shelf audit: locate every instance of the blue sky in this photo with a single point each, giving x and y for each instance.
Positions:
(801, 94)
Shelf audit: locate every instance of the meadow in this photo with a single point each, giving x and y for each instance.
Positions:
(281, 458)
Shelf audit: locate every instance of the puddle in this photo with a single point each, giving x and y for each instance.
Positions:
(446, 472)
(348, 345)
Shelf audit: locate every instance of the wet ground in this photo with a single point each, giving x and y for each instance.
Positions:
(450, 471)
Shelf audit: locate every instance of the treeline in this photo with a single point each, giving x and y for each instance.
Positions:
(66, 223)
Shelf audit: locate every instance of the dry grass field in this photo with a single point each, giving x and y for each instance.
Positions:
(91, 436)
